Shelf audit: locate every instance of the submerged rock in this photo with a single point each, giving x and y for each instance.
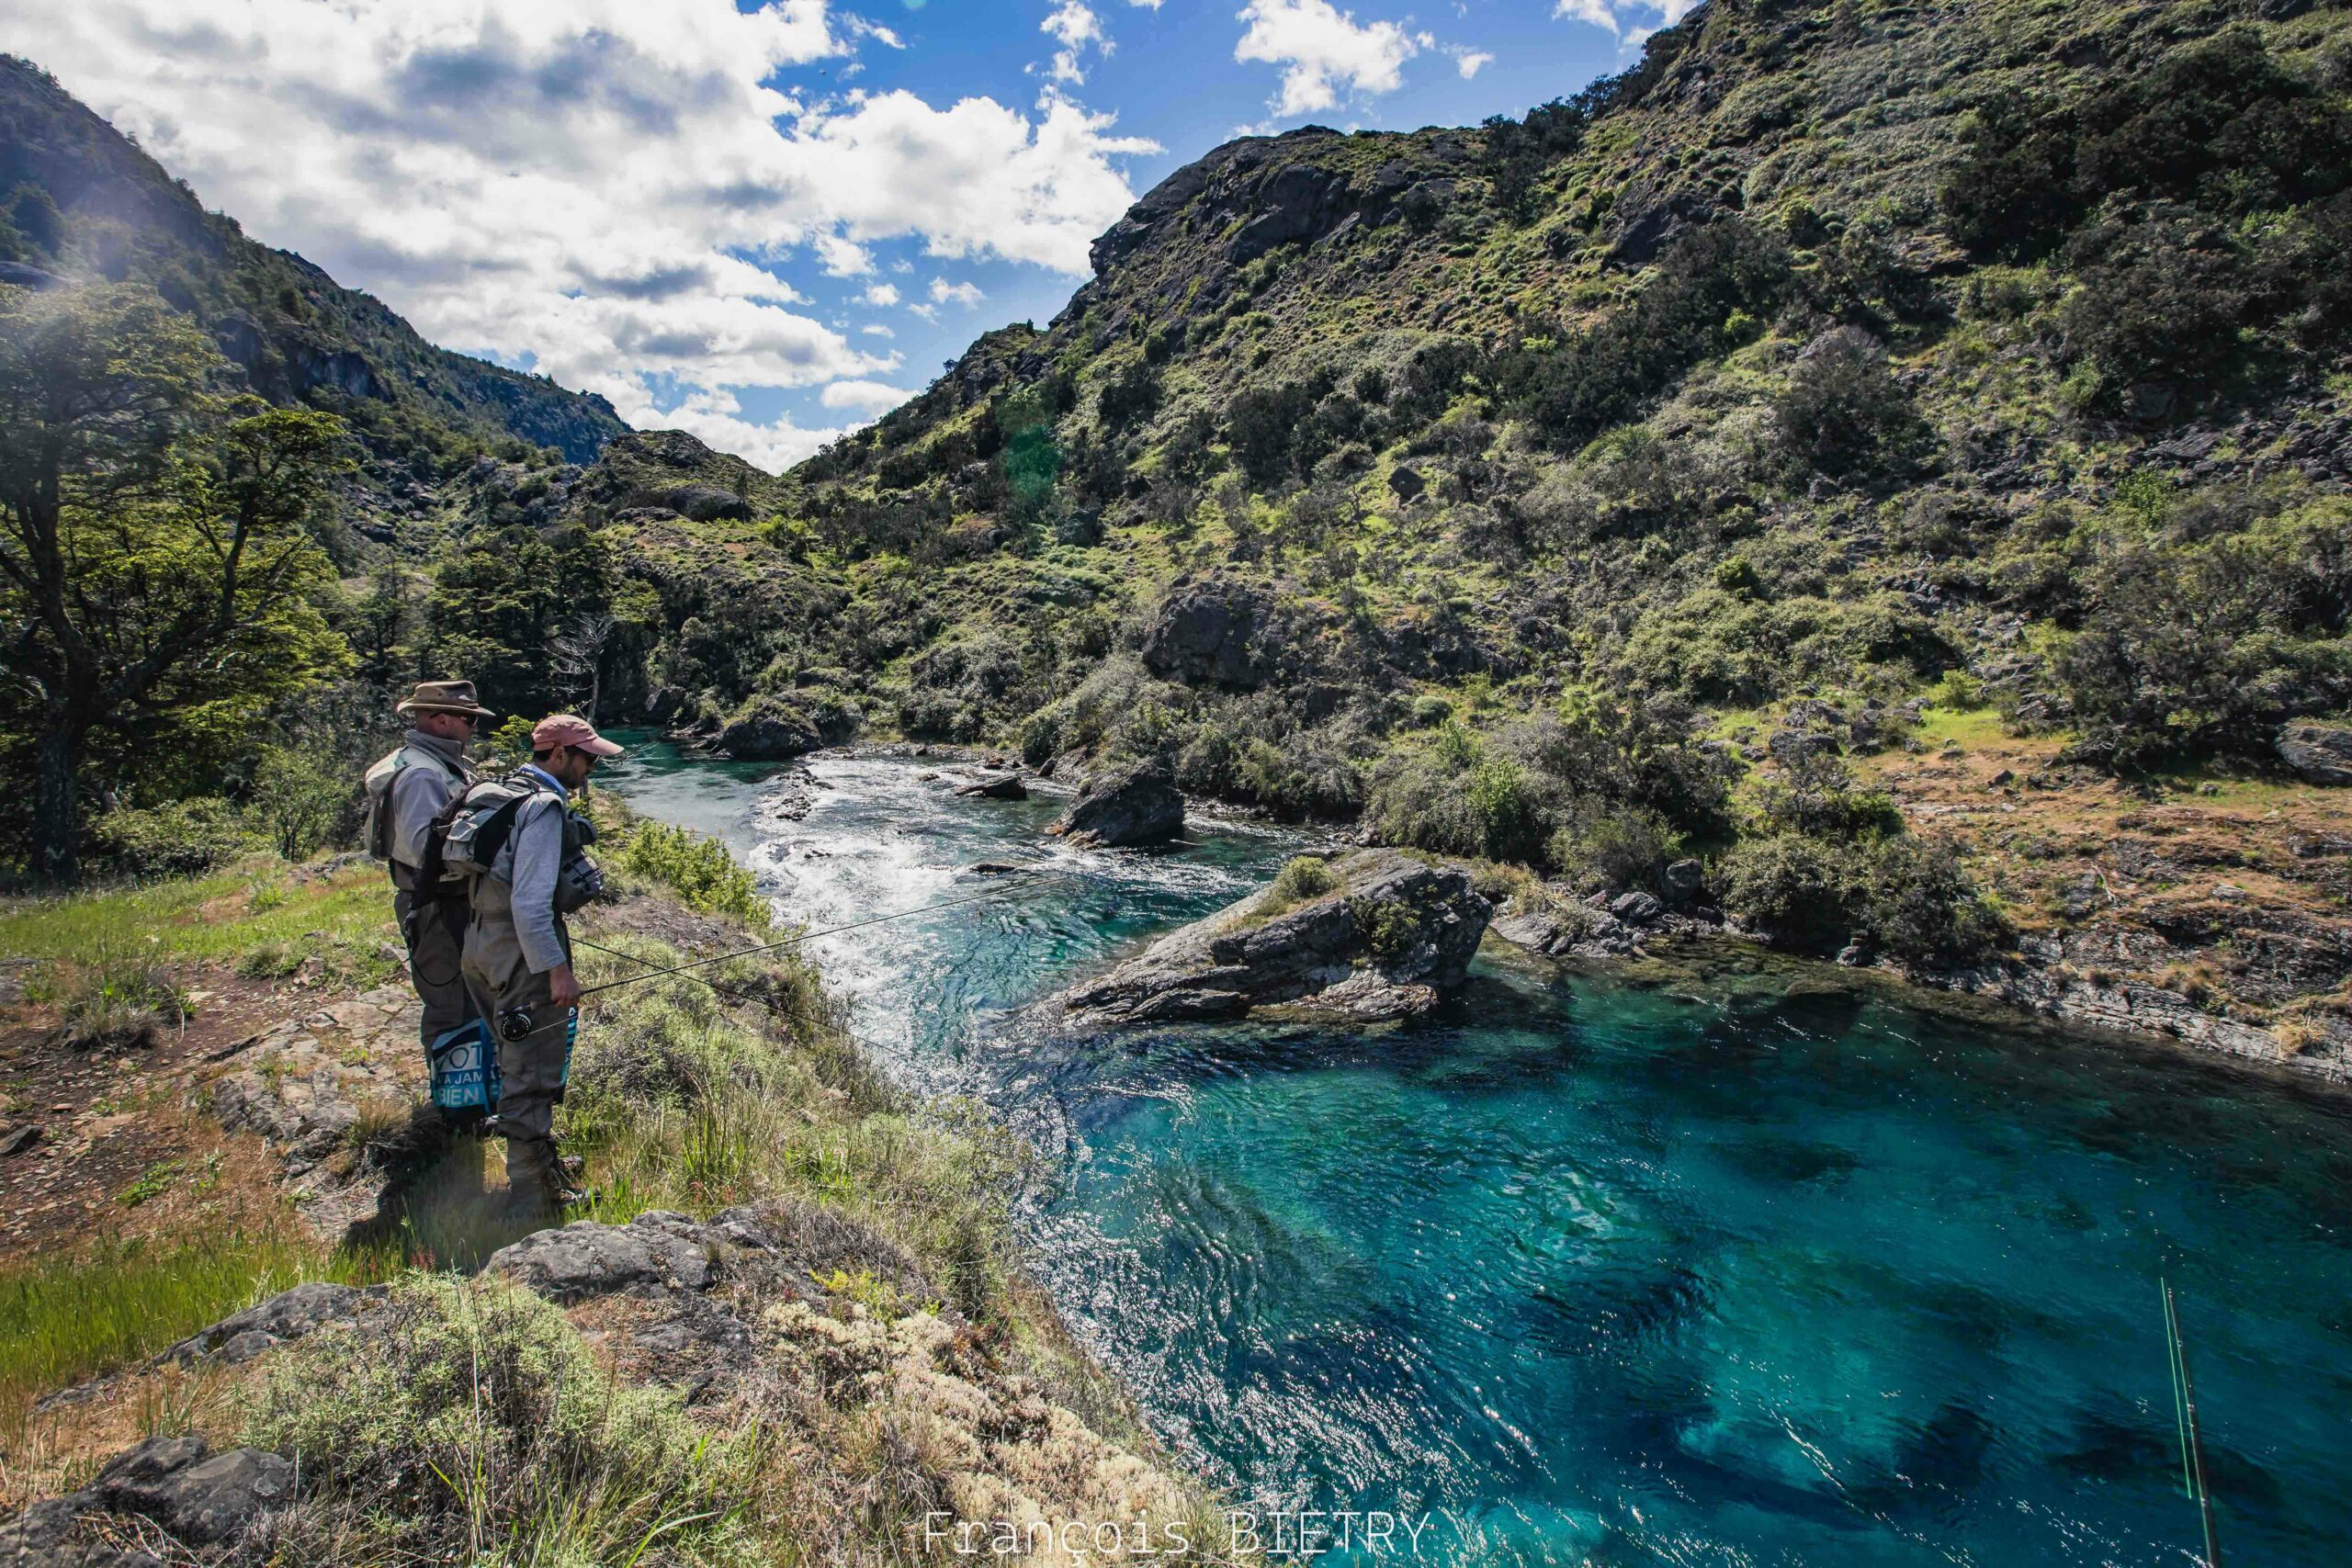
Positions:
(1137, 805)
(1389, 939)
(995, 786)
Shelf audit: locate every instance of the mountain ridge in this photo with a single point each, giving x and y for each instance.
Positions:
(288, 326)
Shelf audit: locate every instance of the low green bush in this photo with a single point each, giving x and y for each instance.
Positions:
(1300, 879)
(180, 838)
(698, 869)
(472, 1423)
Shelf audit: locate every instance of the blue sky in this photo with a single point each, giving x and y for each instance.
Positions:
(762, 222)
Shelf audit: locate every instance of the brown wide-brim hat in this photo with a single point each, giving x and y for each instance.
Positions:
(443, 696)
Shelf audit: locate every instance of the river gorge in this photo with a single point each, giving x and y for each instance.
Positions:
(1728, 1263)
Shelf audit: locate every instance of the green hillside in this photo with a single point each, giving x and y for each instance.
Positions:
(1891, 464)
(83, 202)
(1682, 469)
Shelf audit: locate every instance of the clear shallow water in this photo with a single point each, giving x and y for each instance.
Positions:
(1740, 1271)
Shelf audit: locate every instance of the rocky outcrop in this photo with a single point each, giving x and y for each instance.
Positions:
(212, 1503)
(995, 786)
(1136, 804)
(1212, 633)
(339, 1095)
(771, 729)
(1391, 939)
(2317, 753)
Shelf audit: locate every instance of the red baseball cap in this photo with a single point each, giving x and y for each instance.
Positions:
(571, 729)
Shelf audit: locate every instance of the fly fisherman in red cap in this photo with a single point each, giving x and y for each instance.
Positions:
(525, 847)
(407, 789)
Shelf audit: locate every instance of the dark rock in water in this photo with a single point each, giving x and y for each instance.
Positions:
(2318, 753)
(992, 868)
(772, 729)
(767, 731)
(1211, 634)
(996, 786)
(200, 1498)
(1390, 941)
(1136, 804)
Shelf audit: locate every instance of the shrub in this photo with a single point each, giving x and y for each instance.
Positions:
(1921, 906)
(181, 838)
(1300, 879)
(299, 797)
(472, 1420)
(1794, 891)
(2199, 646)
(1842, 411)
(117, 1003)
(1600, 848)
(699, 870)
(1573, 388)
(1389, 930)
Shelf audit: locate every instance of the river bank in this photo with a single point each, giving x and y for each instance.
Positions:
(789, 1322)
(1752, 1257)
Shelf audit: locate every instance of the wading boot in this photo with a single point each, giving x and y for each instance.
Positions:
(538, 1185)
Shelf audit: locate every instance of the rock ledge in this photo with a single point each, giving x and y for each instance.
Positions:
(1390, 941)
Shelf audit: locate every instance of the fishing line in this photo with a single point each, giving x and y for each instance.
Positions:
(748, 997)
(797, 937)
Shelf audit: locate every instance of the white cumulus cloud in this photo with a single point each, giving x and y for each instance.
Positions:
(881, 294)
(600, 187)
(872, 396)
(945, 293)
(1074, 25)
(1324, 52)
(1649, 15)
(1470, 62)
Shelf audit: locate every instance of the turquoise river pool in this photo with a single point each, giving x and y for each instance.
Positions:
(1736, 1267)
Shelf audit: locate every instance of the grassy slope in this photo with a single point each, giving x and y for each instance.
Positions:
(687, 1097)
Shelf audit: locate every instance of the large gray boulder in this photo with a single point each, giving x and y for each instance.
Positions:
(199, 1500)
(1133, 805)
(2317, 753)
(1390, 939)
(1214, 633)
(773, 728)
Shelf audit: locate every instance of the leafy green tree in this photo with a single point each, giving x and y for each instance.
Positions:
(499, 606)
(156, 569)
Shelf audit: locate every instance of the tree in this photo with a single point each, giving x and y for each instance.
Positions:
(154, 561)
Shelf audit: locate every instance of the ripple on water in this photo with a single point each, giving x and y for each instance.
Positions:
(1750, 1274)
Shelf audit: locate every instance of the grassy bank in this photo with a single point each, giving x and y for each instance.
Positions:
(481, 1424)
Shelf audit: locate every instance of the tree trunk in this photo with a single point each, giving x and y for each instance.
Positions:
(57, 806)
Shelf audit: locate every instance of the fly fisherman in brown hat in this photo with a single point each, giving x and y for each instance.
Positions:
(407, 788)
(525, 847)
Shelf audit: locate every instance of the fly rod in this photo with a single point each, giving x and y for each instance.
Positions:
(2192, 1450)
(805, 936)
